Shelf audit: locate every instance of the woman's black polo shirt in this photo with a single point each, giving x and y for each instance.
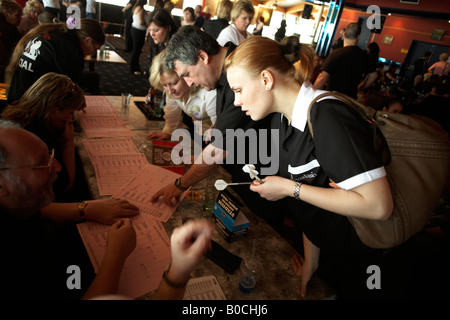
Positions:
(341, 151)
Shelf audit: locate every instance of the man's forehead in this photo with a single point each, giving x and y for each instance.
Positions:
(180, 66)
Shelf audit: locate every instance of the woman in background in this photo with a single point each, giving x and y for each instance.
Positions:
(213, 27)
(160, 29)
(241, 17)
(52, 48)
(442, 67)
(138, 29)
(188, 16)
(31, 12)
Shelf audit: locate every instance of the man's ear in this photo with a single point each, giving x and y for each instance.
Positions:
(267, 79)
(203, 56)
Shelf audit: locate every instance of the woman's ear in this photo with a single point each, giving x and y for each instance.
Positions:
(267, 79)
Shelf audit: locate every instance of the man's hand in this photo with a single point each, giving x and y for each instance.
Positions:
(189, 243)
(170, 194)
(158, 135)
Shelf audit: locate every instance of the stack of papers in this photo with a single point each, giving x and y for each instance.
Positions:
(100, 119)
(124, 173)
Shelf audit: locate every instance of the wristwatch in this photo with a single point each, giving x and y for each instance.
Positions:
(81, 207)
(178, 184)
(297, 190)
(171, 283)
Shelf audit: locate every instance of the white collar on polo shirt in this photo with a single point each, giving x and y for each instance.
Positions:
(300, 111)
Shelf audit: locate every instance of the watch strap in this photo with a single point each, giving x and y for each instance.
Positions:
(81, 207)
(178, 184)
(171, 283)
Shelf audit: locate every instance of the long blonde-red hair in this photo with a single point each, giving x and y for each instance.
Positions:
(289, 57)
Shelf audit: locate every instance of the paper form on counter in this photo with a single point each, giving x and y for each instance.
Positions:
(103, 125)
(144, 267)
(98, 104)
(140, 189)
(115, 170)
(204, 288)
(109, 145)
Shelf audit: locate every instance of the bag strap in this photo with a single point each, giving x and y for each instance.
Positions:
(366, 113)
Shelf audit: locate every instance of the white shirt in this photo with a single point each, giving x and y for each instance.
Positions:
(231, 33)
(51, 3)
(90, 6)
(201, 106)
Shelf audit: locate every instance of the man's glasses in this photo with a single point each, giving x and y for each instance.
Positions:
(49, 165)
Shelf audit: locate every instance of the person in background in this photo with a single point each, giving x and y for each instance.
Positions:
(442, 67)
(47, 17)
(373, 50)
(420, 68)
(241, 16)
(52, 48)
(316, 175)
(317, 68)
(10, 17)
(128, 20)
(30, 238)
(52, 6)
(160, 29)
(206, 13)
(194, 101)
(339, 43)
(346, 67)
(169, 6)
(188, 16)
(138, 31)
(259, 27)
(199, 17)
(213, 27)
(435, 104)
(390, 75)
(281, 32)
(31, 12)
(394, 106)
(91, 9)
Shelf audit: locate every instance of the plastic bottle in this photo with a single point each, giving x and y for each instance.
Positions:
(150, 97)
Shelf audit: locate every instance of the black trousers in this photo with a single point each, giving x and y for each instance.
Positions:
(138, 37)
